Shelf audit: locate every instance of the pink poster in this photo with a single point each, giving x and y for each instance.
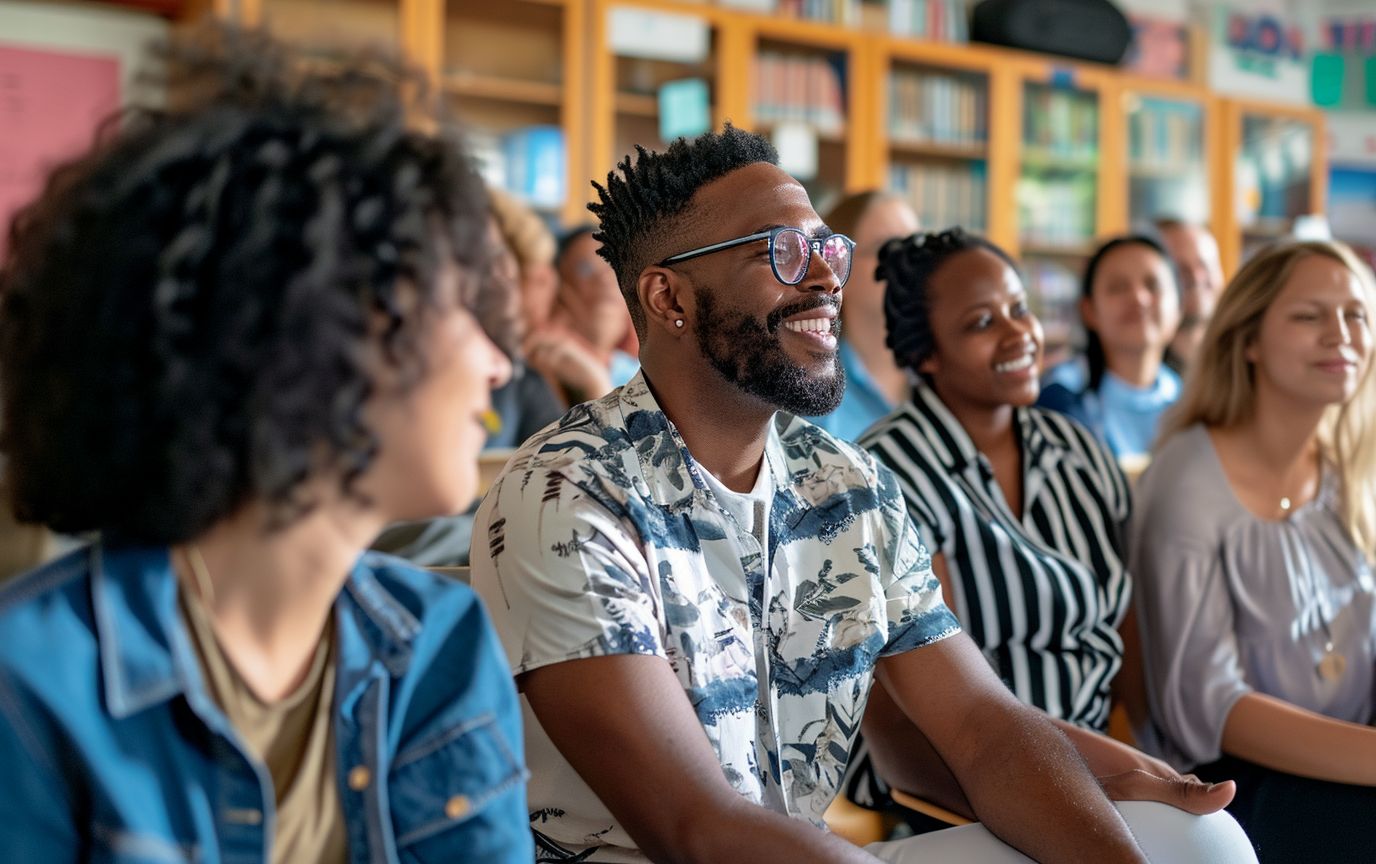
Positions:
(50, 106)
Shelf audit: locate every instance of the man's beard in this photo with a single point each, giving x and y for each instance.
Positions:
(747, 352)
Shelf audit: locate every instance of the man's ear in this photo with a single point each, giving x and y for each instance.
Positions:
(928, 366)
(660, 289)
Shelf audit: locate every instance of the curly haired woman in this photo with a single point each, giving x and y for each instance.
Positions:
(238, 338)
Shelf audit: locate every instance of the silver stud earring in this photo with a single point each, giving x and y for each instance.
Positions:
(678, 322)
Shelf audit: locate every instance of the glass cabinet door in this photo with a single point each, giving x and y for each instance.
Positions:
(1166, 164)
(1273, 175)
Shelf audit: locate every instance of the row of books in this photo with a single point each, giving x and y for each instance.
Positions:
(926, 106)
(846, 12)
(799, 87)
(1054, 290)
(1056, 211)
(1166, 136)
(943, 195)
(1061, 124)
(935, 20)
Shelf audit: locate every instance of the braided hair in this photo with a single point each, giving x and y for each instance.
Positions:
(906, 265)
(640, 209)
(188, 312)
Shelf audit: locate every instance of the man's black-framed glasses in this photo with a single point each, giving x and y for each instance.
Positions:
(790, 252)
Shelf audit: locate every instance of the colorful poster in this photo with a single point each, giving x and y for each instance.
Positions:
(50, 106)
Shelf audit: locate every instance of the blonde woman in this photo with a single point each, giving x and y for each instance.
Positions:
(1252, 546)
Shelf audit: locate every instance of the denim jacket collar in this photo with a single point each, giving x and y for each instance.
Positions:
(146, 655)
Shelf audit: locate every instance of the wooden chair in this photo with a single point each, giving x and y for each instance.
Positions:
(927, 808)
(458, 573)
(490, 464)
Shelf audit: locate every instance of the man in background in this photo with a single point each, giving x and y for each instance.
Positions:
(1200, 271)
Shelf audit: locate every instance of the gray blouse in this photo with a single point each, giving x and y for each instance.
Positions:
(1230, 604)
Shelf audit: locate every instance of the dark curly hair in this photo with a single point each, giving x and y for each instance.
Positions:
(1095, 358)
(906, 265)
(187, 311)
(639, 210)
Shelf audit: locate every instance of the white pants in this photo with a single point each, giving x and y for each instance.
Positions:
(1167, 835)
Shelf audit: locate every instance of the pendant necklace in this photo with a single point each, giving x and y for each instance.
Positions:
(1333, 664)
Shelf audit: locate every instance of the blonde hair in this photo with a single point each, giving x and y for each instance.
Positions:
(1220, 391)
(524, 231)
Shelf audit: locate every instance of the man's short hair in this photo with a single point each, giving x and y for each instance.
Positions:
(641, 208)
(188, 313)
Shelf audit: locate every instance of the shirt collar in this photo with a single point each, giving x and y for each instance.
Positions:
(957, 451)
(145, 653)
(666, 466)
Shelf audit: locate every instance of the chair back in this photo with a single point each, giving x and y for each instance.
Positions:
(459, 573)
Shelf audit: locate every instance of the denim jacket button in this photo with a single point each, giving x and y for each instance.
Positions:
(359, 777)
(456, 807)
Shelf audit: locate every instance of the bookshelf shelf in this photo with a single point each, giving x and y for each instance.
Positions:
(1042, 160)
(637, 105)
(1163, 170)
(1057, 250)
(504, 89)
(938, 149)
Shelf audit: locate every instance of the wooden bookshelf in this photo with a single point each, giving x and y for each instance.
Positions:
(519, 62)
(1235, 235)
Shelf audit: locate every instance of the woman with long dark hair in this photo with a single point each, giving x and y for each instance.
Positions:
(1130, 304)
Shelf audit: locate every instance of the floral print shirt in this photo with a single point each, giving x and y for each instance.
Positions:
(603, 538)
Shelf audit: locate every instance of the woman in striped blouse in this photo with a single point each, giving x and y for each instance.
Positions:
(1022, 509)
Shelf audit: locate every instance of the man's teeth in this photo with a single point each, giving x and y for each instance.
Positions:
(1013, 365)
(821, 325)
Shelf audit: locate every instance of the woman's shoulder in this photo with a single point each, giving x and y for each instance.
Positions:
(424, 594)
(1071, 375)
(1183, 487)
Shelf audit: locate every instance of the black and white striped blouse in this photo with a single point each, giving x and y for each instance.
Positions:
(1041, 592)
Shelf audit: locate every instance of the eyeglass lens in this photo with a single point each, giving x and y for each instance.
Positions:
(793, 250)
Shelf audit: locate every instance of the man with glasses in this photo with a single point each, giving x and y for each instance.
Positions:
(696, 589)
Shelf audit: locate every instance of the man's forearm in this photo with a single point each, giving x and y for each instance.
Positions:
(1029, 786)
(749, 834)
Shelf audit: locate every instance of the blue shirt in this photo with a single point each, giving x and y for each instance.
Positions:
(604, 538)
(112, 750)
(1122, 416)
(863, 404)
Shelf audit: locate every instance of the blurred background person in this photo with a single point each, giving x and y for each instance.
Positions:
(875, 385)
(1195, 253)
(1253, 545)
(589, 306)
(239, 337)
(1118, 389)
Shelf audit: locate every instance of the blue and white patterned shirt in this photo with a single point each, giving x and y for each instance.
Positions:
(603, 538)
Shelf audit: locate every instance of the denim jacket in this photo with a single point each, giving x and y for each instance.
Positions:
(111, 749)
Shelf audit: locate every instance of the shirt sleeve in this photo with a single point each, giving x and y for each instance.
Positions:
(917, 615)
(1193, 668)
(563, 576)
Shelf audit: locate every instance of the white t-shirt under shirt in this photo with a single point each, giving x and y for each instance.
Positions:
(749, 509)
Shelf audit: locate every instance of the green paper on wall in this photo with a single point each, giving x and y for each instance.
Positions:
(683, 109)
(1326, 79)
(1370, 80)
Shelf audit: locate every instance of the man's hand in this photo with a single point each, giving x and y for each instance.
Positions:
(1128, 774)
(1024, 780)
